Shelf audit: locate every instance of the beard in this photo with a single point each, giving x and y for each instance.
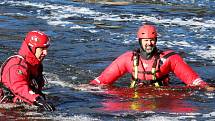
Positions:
(149, 49)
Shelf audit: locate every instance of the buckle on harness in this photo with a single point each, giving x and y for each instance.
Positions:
(156, 84)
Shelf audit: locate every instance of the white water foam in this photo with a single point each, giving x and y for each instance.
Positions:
(67, 118)
(59, 14)
(13, 14)
(53, 79)
(209, 115)
(158, 19)
(159, 118)
(204, 53)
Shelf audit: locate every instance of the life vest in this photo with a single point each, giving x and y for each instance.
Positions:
(158, 61)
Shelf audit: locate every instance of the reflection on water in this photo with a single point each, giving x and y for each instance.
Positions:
(148, 99)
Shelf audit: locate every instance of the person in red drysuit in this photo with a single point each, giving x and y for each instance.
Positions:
(21, 75)
(149, 65)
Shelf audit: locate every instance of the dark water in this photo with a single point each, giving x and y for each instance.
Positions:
(87, 35)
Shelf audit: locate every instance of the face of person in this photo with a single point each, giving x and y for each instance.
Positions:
(41, 53)
(148, 44)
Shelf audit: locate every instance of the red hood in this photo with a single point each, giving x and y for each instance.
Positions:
(28, 55)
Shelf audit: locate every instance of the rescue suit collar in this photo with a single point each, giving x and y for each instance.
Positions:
(28, 55)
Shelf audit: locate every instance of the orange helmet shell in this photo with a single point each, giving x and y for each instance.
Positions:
(147, 32)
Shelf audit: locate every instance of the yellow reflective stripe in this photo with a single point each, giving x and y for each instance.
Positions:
(153, 71)
(132, 84)
(156, 84)
(153, 74)
(153, 77)
(136, 95)
(135, 72)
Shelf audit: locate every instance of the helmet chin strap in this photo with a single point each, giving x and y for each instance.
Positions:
(33, 50)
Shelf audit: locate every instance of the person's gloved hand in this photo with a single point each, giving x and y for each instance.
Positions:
(43, 105)
(42, 94)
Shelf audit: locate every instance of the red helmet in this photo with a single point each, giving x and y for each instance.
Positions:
(36, 39)
(147, 31)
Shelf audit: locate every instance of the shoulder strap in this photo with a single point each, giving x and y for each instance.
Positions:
(135, 66)
(5, 62)
(163, 59)
(153, 71)
(168, 55)
(136, 56)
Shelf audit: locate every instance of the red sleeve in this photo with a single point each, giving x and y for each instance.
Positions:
(184, 72)
(19, 84)
(115, 70)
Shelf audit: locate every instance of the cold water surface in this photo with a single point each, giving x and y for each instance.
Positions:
(87, 35)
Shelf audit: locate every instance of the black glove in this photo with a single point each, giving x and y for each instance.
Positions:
(43, 105)
(42, 94)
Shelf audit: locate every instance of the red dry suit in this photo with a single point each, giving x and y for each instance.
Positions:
(164, 62)
(22, 75)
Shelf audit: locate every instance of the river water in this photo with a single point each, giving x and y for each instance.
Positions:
(87, 35)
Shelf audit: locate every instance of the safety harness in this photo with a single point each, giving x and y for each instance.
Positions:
(156, 82)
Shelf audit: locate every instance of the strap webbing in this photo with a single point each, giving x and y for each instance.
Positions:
(135, 65)
(154, 80)
(168, 55)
